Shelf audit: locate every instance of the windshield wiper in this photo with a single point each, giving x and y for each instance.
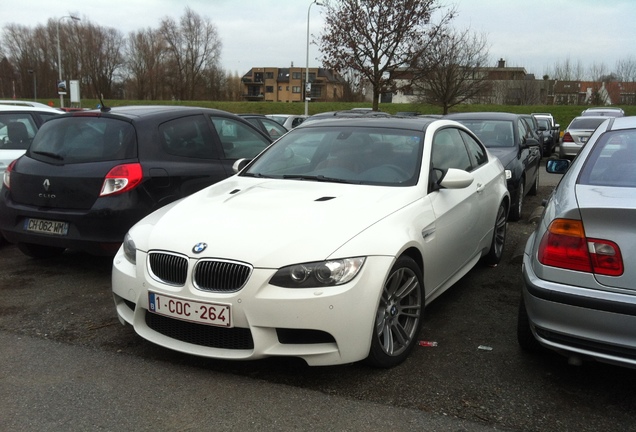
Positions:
(49, 154)
(319, 178)
(257, 175)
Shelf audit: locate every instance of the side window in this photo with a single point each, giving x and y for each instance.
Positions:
(274, 129)
(238, 139)
(16, 131)
(449, 150)
(188, 137)
(476, 151)
(523, 130)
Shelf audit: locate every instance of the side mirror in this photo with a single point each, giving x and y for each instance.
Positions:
(456, 179)
(240, 164)
(557, 166)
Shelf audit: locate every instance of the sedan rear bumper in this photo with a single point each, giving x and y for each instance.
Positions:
(574, 320)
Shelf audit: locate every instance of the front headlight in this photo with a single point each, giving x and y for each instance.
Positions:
(318, 274)
(130, 250)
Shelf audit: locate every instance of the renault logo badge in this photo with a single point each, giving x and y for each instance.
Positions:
(46, 185)
(199, 247)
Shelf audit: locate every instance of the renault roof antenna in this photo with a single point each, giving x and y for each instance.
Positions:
(102, 105)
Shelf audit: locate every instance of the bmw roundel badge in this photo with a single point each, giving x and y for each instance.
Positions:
(199, 247)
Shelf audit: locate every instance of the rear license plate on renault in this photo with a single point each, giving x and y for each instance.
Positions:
(215, 314)
(46, 226)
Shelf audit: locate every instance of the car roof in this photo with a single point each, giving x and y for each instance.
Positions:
(616, 123)
(407, 122)
(22, 108)
(137, 111)
(23, 103)
(482, 116)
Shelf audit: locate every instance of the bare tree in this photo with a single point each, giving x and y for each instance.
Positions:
(194, 46)
(453, 74)
(568, 71)
(145, 55)
(598, 71)
(626, 69)
(376, 37)
(99, 52)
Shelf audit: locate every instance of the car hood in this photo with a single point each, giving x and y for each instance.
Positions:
(505, 154)
(270, 223)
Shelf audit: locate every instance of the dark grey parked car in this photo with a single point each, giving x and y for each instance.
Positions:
(508, 137)
(90, 175)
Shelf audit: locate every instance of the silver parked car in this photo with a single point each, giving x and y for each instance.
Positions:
(577, 133)
(579, 295)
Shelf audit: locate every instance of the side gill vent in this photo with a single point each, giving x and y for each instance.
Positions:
(325, 198)
(235, 191)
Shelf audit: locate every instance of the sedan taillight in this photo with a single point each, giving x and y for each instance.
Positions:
(122, 178)
(6, 179)
(564, 245)
(567, 137)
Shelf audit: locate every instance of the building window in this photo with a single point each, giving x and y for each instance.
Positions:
(296, 75)
(296, 89)
(280, 88)
(287, 88)
(269, 75)
(269, 89)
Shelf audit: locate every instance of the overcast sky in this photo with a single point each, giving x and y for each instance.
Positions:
(534, 34)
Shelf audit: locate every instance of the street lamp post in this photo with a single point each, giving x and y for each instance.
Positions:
(35, 84)
(307, 84)
(59, 54)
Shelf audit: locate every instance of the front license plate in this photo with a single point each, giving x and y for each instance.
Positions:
(215, 314)
(46, 226)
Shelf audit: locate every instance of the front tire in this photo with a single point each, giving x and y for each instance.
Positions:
(399, 315)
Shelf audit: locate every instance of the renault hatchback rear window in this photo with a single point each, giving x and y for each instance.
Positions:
(84, 139)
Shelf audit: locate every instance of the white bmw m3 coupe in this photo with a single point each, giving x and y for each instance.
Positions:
(327, 246)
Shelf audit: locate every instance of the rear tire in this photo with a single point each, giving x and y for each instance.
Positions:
(39, 251)
(517, 206)
(535, 186)
(499, 237)
(399, 315)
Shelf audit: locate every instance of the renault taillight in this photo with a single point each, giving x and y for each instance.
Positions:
(6, 179)
(122, 178)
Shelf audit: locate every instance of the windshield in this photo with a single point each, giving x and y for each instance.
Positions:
(377, 156)
(493, 133)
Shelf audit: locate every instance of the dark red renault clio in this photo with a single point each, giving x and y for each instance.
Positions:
(89, 176)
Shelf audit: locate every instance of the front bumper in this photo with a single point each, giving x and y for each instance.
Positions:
(573, 320)
(323, 326)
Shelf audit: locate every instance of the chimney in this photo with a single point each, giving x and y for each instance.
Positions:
(502, 63)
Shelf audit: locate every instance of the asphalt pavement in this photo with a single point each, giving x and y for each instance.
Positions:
(50, 386)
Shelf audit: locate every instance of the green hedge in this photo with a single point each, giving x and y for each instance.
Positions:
(562, 113)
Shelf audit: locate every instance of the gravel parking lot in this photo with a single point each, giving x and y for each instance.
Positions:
(476, 372)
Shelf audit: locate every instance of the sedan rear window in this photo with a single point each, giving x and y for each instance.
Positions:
(612, 161)
(84, 139)
(586, 123)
